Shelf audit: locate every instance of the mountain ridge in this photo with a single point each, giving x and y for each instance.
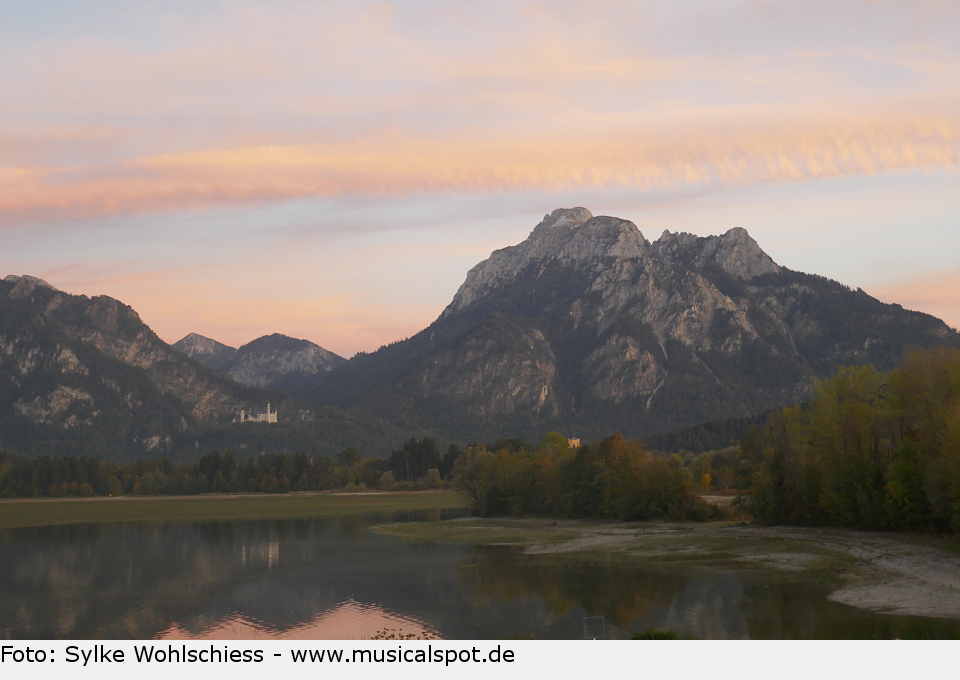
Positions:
(273, 361)
(85, 375)
(587, 326)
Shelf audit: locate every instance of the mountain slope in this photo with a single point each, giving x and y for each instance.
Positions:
(280, 362)
(588, 327)
(207, 351)
(86, 376)
(272, 361)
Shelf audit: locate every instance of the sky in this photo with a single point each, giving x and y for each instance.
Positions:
(331, 170)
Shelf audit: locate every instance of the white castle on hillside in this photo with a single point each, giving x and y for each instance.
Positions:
(268, 417)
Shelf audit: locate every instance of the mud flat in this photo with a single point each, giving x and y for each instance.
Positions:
(890, 573)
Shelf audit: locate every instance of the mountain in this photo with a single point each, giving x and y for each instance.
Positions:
(272, 361)
(86, 376)
(208, 352)
(587, 327)
(280, 362)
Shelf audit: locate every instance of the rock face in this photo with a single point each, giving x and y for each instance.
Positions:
(589, 328)
(86, 376)
(280, 362)
(28, 283)
(571, 237)
(208, 352)
(272, 361)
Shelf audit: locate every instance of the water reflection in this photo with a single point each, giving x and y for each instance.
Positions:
(329, 578)
(698, 603)
(347, 621)
(630, 598)
(137, 580)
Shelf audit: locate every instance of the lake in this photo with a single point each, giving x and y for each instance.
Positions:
(331, 578)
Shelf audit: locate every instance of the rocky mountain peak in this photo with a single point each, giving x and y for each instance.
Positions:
(563, 217)
(586, 327)
(571, 236)
(609, 250)
(24, 285)
(280, 361)
(735, 252)
(199, 342)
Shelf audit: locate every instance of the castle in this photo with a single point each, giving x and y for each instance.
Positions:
(268, 417)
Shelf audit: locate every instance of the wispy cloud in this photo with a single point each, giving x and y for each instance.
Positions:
(255, 102)
(114, 133)
(399, 166)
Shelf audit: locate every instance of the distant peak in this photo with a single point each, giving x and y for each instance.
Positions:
(206, 350)
(194, 337)
(572, 236)
(275, 360)
(275, 342)
(563, 217)
(27, 281)
(739, 236)
(197, 340)
(280, 343)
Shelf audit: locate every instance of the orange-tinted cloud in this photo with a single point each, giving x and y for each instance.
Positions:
(245, 102)
(164, 109)
(398, 166)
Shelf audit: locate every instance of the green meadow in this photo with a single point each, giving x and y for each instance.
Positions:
(42, 511)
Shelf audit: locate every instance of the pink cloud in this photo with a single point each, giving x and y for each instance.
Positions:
(349, 98)
(396, 165)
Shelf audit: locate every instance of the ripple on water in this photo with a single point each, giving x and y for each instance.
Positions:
(349, 620)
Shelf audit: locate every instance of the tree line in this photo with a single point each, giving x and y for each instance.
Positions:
(418, 464)
(870, 450)
(612, 478)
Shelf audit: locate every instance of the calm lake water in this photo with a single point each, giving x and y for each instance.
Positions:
(330, 578)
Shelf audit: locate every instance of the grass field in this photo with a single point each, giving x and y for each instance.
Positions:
(45, 511)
